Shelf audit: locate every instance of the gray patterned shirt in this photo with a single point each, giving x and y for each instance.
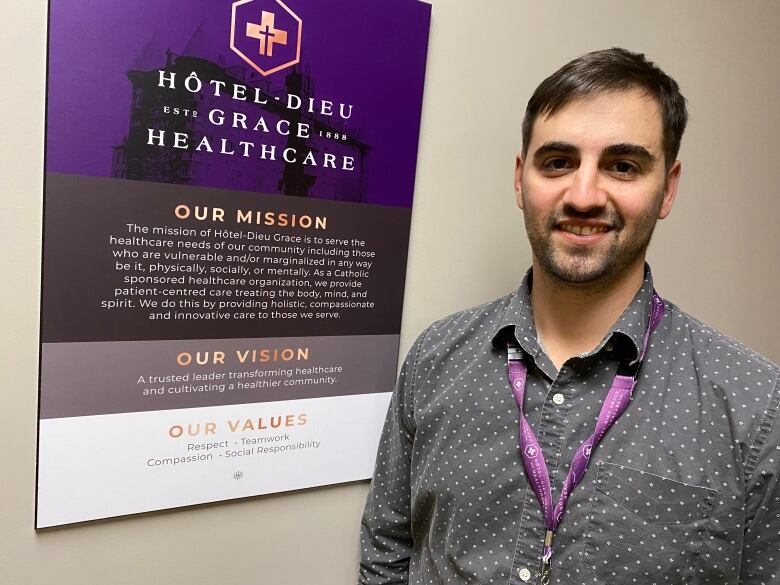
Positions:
(682, 489)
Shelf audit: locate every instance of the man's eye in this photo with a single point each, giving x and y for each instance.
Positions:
(556, 164)
(622, 167)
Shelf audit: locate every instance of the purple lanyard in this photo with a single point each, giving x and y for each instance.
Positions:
(614, 405)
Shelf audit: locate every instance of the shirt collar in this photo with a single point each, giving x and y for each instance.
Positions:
(626, 335)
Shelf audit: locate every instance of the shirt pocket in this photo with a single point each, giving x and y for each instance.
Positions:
(644, 527)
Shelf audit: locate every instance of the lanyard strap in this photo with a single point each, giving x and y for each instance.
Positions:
(614, 405)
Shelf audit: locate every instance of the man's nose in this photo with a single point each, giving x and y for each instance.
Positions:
(586, 191)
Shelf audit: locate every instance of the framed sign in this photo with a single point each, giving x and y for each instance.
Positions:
(227, 204)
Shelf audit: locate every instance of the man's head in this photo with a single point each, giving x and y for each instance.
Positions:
(611, 70)
(598, 164)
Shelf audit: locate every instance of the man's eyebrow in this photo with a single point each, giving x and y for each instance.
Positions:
(555, 146)
(627, 148)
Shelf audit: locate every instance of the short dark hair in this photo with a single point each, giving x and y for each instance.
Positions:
(610, 70)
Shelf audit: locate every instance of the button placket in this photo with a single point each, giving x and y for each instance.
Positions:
(550, 431)
(553, 426)
(531, 531)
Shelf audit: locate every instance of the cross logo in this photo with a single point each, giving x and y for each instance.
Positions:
(531, 451)
(266, 33)
(273, 43)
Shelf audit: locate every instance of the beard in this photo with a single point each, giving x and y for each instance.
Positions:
(603, 263)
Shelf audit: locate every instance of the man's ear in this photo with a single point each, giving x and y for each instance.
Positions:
(670, 189)
(519, 180)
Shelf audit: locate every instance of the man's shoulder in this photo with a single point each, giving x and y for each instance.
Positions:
(733, 381)
(473, 325)
(715, 349)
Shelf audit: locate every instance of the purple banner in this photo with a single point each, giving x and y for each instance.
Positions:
(317, 99)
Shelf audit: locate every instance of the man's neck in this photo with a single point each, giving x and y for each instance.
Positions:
(571, 319)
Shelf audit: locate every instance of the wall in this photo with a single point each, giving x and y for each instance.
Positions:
(716, 256)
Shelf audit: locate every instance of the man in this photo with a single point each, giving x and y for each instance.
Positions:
(669, 479)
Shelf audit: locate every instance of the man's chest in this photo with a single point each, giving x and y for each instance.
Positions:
(661, 497)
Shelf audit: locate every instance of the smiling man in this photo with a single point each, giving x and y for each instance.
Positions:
(582, 430)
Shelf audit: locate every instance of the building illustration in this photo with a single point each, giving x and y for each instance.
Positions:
(229, 164)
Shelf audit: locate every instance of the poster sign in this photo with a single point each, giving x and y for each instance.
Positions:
(227, 204)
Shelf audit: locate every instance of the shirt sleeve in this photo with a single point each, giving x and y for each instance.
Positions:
(761, 549)
(385, 533)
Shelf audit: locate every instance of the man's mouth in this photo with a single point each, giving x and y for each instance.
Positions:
(583, 230)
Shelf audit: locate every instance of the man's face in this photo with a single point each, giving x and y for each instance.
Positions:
(592, 185)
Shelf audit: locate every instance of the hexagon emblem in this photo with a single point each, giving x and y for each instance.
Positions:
(266, 34)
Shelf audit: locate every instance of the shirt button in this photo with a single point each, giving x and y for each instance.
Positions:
(558, 398)
(524, 574)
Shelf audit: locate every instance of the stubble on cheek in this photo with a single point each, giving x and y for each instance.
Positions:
(588, 264)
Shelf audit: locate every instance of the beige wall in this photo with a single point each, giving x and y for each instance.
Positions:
(716, 256)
